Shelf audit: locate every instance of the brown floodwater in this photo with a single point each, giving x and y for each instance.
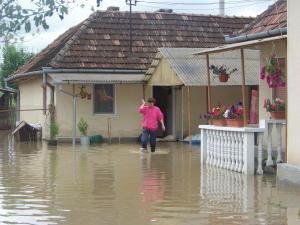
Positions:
(115, 184)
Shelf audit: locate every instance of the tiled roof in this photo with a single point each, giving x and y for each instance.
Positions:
(274, 17)
(102, 40)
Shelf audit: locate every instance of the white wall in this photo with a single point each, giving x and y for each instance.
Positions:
(126, 122)
(293, 49)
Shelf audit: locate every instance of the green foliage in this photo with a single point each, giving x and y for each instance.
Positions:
(83, 127)
(13, 59)
(14, 15)
(54, 129)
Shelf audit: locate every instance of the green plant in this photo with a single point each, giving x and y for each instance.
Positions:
(277, 105)
(223, 69)
(54, 129)
(83, 127)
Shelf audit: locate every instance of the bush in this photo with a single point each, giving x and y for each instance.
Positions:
(54, 129)
(83, 127)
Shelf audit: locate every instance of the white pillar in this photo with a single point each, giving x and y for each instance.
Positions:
(259, 154)
(269, 160)
(279, 139)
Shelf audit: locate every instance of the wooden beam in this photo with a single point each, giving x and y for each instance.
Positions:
(208, 85)
(243, 87)
(189, 113)
(144, 91)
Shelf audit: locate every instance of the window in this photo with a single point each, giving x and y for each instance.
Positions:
(104, 98)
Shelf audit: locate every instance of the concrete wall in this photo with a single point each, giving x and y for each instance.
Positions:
(220, 95)
(126, 122)
(31, 97)
(293, 83)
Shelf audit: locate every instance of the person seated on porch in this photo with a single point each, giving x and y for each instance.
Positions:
(152, 115)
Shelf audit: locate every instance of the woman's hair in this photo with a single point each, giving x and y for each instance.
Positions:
(151, 100)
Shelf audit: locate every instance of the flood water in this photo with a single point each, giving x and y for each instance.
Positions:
(115, 184)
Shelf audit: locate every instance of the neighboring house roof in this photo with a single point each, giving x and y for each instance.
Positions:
(192, 69)
(102, 40)
(274, 17)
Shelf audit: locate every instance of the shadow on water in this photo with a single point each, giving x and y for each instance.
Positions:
(116, 184)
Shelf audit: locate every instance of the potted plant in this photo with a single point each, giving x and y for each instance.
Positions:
(215, 117)
(272, 73)
(276, 108)
(83, 127)
(222, 72)
(54, 130)
(234, 116)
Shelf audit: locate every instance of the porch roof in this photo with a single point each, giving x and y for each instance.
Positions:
(192, 71)
(247, 44)
(109, 78)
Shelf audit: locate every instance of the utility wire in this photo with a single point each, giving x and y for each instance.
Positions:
(206, 9)
(203, 4)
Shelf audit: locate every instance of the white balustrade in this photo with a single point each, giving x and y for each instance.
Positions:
(269, 125)
(231, 148)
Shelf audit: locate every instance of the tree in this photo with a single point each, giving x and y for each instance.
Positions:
(15, 15)
(13, 59)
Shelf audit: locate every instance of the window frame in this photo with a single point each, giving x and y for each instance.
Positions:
(114, 100)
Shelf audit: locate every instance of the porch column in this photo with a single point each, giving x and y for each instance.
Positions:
(243, 86)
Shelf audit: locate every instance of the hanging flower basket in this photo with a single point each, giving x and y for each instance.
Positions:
(223, 77)
(222, 72)
(235, 122)
(278, 115)
(271, 72)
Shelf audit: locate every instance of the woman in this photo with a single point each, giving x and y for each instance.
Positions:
(152, 115)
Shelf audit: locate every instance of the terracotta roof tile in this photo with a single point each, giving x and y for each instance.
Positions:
(273, 18)
(102, 40)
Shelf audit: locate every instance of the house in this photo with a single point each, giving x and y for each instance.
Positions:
(290, 171)
(92, 70)
(266, 33)
(182, 79)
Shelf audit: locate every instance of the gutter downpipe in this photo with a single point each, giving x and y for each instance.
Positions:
(242, 38)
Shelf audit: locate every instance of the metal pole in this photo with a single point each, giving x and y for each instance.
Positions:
(182, 111)
(130, 28)
(243, 87)
(74, 117)
(189, 113)
(208, 85)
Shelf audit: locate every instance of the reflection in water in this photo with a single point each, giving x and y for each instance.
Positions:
(115, 184)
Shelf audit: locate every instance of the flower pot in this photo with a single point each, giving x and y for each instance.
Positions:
(278, 115)
(218, 122)
(235, 122)
(223, 78)
(84, 140)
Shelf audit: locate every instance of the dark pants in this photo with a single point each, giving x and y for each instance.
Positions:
(145, 136)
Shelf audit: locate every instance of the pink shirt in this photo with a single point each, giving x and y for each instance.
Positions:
(152, 115)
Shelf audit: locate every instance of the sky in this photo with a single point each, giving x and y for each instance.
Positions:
(37, 41)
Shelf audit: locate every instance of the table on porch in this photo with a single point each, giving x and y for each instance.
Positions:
(231, 148)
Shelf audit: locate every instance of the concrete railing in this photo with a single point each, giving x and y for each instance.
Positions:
(231, 148)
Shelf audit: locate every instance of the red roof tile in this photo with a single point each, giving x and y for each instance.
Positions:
(274, 17)
(102, 40)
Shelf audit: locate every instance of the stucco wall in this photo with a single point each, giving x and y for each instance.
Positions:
(126, 122)
(279, 47)
(31, 97)
(293, 83)
(220, 95)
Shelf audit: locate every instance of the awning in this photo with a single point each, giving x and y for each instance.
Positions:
(245, 44)
(173, 64)
(87, 78)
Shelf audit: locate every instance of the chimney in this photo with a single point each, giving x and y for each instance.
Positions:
(222, 7)
(113, 8)
(165, 10)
